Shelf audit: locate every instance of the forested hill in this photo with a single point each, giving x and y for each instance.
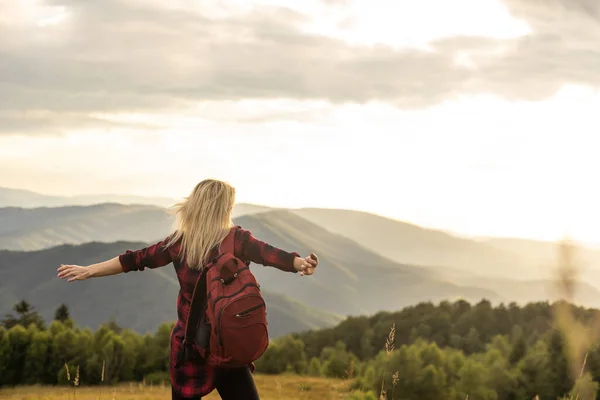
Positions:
(428, 352)
(461, 325)
(456, 351)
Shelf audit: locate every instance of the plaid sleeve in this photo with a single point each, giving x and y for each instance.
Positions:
(154, 256)
(259, 252)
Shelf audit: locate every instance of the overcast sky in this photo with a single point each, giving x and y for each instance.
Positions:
(477, 116)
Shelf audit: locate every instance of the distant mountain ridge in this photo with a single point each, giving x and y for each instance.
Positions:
(351, 280)
(413, 244)
(137, 300)
(362, 253)
(38, 228)
(44, 227)
(401, 241)
(28, 199)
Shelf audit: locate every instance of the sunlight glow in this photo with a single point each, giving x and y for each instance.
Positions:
(478, 165)
(415, 24)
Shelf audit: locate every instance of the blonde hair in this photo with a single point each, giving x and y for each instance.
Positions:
(203, 220)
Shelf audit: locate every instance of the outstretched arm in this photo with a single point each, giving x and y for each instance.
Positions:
(154, 256)
(263, 253)
(79, 273)
(149, 257)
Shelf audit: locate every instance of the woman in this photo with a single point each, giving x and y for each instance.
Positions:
(203, 221)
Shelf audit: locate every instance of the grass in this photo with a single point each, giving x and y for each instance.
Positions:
(282, 387)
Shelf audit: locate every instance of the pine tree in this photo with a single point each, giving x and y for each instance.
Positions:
(26, 315)
(62, 313)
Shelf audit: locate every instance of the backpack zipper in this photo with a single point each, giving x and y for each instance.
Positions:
(218, 278)
(248, 311)
(247, 285)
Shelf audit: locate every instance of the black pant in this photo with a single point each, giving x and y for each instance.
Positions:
(232, 384)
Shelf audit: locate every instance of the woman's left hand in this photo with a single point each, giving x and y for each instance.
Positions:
(306, 266)
(73, 272)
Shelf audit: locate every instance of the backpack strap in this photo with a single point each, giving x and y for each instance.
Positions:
(196, 312)
(227, 254)
(228, 244)
(198, 304)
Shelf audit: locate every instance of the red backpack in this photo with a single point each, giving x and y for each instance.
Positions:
(227, 321)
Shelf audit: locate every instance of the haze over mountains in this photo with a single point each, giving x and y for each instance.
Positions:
(36, 228)
(368, 263)
(27, 199)
(137, 300)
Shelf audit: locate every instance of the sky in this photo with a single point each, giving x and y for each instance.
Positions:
(474, 116)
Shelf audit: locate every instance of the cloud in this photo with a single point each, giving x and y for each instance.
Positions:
(45, 122)
(563, 48)
(119, 56)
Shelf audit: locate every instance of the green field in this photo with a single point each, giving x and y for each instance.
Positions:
(283, 387)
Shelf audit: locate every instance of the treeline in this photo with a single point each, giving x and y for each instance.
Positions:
(458, 325)
(444, 351)
(451, 350)
(33, 353)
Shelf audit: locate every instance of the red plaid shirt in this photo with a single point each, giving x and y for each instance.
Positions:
(194, 378)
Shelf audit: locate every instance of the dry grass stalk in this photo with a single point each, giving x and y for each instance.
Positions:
(389, 343)
(389, 348)
(68, 373)
(76, 382)
(395, 379)
(102, 377)
(583, 365)
(581, 373)
(578, 337)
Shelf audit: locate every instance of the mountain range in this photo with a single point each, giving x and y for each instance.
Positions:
(368, 263)
(137, 300)
(27, 199)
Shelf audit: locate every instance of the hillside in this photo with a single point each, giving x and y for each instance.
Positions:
(23, 228)
(351, 278)
(139, 300)
(45, 227)
(523, 291)
(347, 272)
(28, 199)
(542, 255)
(412, 244)
(39, 228)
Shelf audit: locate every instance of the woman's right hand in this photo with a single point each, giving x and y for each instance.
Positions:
(73, 272)
(306, 265)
